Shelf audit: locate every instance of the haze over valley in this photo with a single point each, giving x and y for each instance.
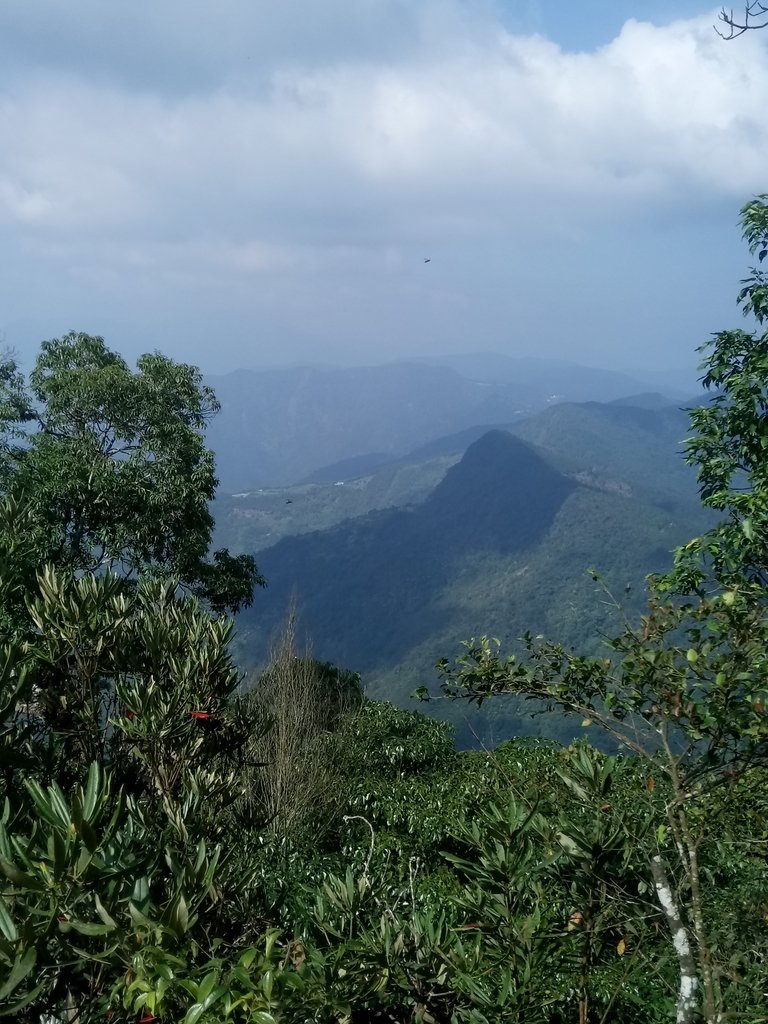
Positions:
(389, 554)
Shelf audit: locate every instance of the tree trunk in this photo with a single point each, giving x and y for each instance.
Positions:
(687, 996)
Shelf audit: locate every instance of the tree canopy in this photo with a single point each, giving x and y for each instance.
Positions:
(729, 441)
(109, 468)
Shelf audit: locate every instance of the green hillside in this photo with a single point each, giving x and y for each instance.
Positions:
(501, 545)
(630, 447)
(253, 520)
(391, 570)
(284, 426)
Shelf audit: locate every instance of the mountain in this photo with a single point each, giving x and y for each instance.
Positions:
(277, 427)
(556, 379)
(319, 424)
(501, 545)
(250, 521)
(365, 587)
(349, 469)
(630, 447)
(502, 496)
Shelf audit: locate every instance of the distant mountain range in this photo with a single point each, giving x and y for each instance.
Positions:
(630, 447)
(562, 380)
(496, 538)
(280, 427)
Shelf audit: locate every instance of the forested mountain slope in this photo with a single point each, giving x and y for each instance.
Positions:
(501, 545)
(631, 447)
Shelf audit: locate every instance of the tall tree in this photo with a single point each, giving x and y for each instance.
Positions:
(111, 468)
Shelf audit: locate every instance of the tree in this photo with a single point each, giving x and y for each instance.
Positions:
(686, 689)
(112, 468)
(121, 736)
(297, 781)
(730, 440)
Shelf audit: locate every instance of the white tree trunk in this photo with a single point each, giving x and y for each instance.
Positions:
(687, 996)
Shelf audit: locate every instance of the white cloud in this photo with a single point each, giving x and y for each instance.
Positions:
(503, 120)
(247, 155)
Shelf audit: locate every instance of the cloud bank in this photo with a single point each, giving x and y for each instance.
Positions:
(255, 152)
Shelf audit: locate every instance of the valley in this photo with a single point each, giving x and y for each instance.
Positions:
(488, 530)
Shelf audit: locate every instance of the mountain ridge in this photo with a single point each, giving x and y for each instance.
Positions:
(278, 427)
(502, 544)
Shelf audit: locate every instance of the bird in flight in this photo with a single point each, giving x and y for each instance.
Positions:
(427, 259)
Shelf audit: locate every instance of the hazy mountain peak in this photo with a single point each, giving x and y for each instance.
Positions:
(646, 400)
(501, 494)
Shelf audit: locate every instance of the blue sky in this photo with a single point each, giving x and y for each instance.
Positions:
(248, 183)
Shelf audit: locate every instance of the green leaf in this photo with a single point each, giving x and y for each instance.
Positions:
(25, 1000)
(19, 971)
(206, 986)
(569, 845)
(194, 1013)
(140, 896)
(89, 927)
(248, 956)
(103, 914)
(214, 997)
(7, 927)
(89, 837)
(138, 917)
(41, 801)
(58, 852)
(59, 807)
(92, 790)
(177, 915)
(22, 879)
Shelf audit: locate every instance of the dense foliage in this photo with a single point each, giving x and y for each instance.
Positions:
(109, 469)
(173, 848)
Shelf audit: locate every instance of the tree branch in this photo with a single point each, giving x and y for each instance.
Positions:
(737, 28)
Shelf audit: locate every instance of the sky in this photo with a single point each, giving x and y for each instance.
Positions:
(244, 184)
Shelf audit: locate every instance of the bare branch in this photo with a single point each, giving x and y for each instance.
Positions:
(749, 21)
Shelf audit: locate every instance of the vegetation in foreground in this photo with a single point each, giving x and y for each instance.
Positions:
(174, 850)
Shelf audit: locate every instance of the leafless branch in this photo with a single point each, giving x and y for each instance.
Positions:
(750, 20)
